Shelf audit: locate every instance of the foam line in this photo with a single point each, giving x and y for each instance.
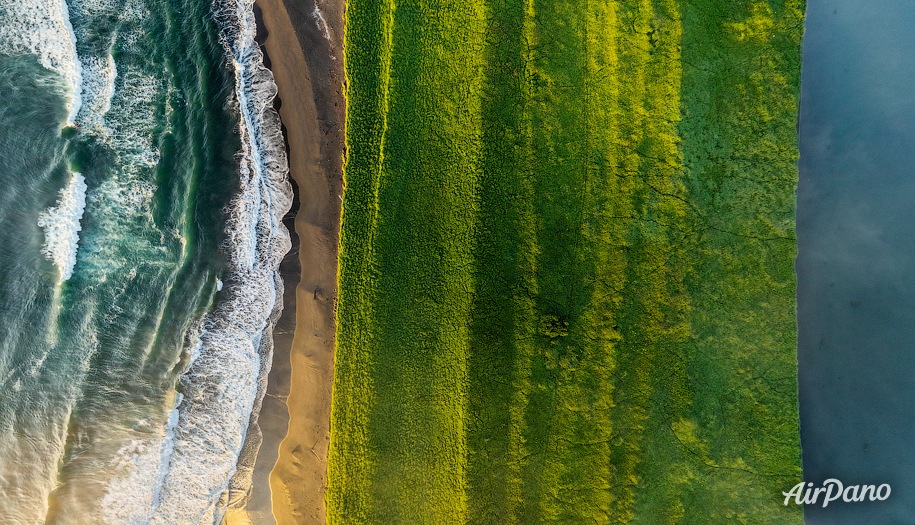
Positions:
(42, 28)
(198, 454)
(61, 225)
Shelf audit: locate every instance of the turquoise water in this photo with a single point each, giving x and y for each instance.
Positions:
(143, 182)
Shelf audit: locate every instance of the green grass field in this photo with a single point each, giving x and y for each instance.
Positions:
(567, 291)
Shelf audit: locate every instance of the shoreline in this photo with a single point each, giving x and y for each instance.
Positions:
(303, 50)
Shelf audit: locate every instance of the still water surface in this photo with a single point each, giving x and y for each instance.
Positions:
(856, 263)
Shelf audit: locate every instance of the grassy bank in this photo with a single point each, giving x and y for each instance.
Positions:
(566, 273)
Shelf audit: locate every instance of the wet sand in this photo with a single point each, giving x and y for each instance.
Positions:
(303, 48)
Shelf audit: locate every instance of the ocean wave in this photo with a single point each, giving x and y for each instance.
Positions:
(61, 226)
(118, 114)
(125, 199)
(226, 376)
(42, 28)
(99, 75)
(145, 461)
(99, 26)
(119, 101)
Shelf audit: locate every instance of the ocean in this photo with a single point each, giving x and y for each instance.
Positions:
(144, 181)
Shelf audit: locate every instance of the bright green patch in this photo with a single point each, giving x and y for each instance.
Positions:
(566, 275)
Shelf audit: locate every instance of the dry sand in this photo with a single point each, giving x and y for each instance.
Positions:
(304, 50)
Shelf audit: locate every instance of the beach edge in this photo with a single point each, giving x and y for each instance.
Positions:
(304, 46)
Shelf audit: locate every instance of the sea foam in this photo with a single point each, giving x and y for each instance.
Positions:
(321, 22)
(61, 225)
(199, 454)
(99, 75)
(42, 28)
(224, 385)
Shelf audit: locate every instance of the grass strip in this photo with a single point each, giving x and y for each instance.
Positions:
(566, 279)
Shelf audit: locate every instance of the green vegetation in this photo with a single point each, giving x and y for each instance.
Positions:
(566, 275)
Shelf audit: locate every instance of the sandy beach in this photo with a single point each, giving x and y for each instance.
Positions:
(303, 48)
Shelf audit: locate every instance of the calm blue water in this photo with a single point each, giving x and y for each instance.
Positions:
(856, 264)
(143, 177)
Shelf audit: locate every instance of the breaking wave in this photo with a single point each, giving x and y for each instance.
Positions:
(198, 454)
(61, 225)
(42, 28)
(99, 75)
